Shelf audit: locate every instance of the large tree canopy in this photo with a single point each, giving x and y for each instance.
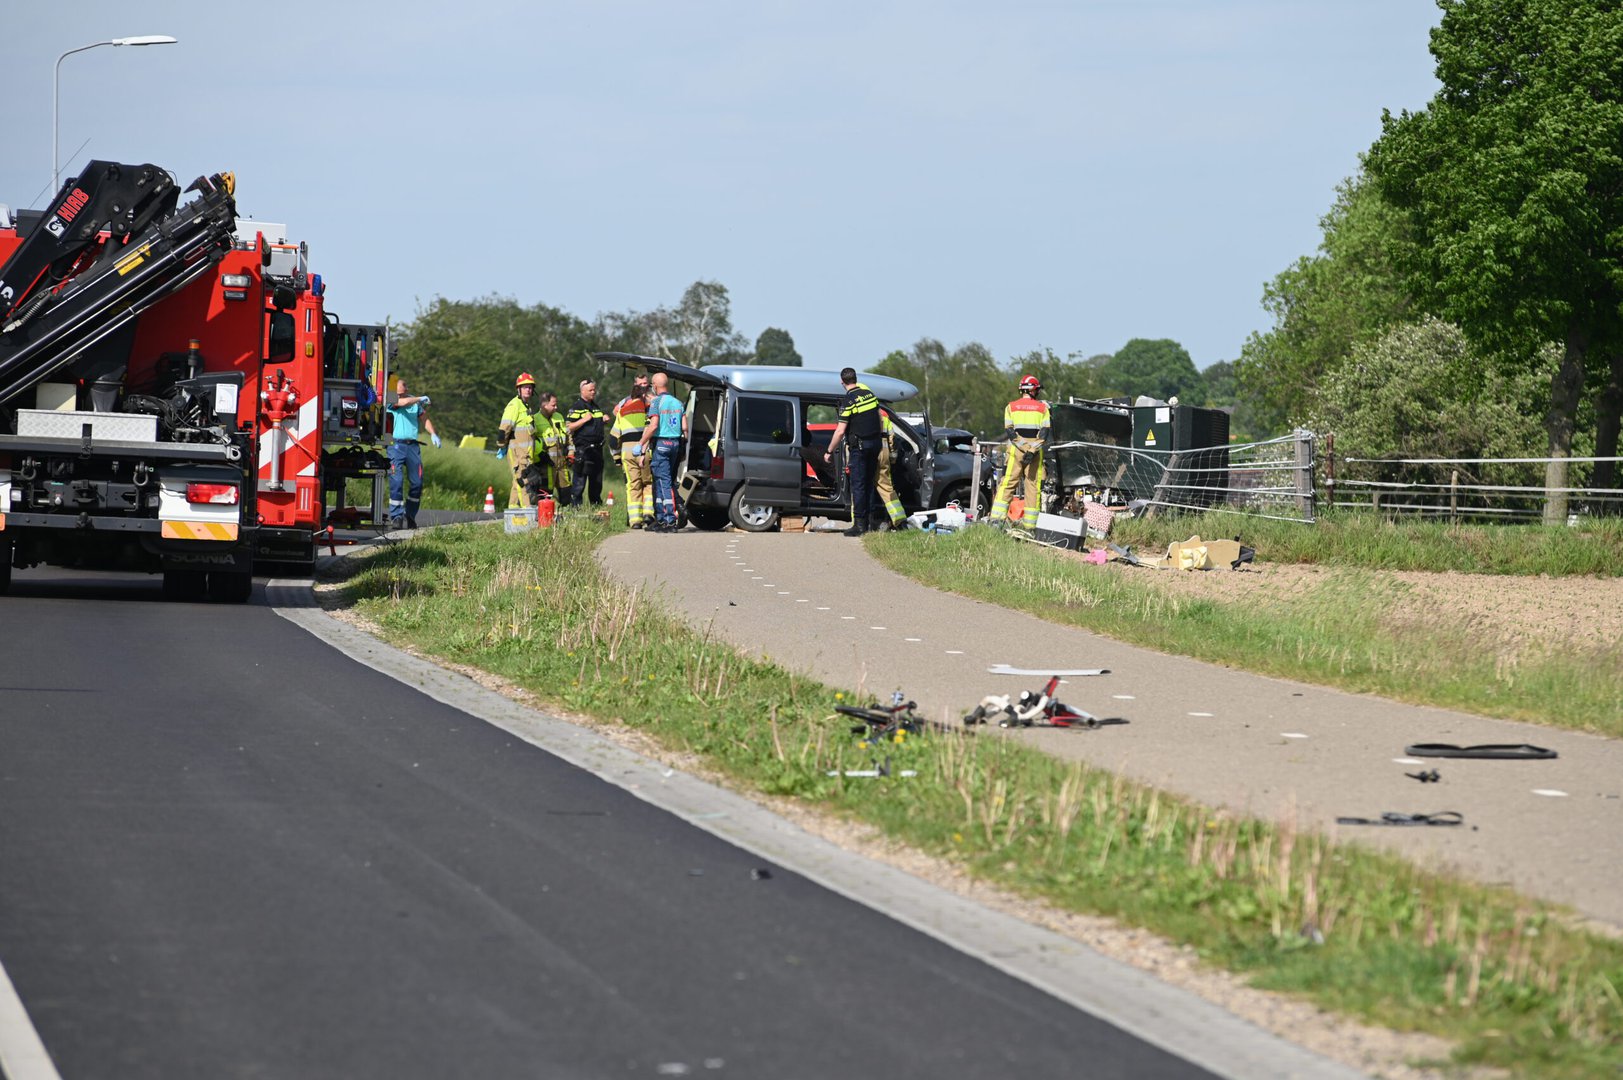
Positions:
(1513, 180)
(1422, 390)
(1160, 369)
(1350, 291)
(775, 347)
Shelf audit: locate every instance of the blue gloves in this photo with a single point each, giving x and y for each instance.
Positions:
(636, 450)
(436, 439)
(501, 453)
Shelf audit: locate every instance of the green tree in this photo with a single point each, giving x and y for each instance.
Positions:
(1062, 377)
(1247, 422)
(1421, 390)
(465, 354)
(1512, 177)
(776, 347)
(699, 330)
(1351, 290)
(1160, 368)
(960, 387)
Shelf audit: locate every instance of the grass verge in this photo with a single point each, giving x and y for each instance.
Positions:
(1512, 981)
(1351, 630)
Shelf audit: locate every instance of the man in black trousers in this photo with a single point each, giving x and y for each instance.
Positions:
(861, 428)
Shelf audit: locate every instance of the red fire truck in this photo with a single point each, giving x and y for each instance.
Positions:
(174, 395)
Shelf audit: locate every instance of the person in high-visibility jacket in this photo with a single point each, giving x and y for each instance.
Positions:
(859, 426)
(1025, 422)
(553, 435)
(630, 418)
(884, 481)
(518, 435)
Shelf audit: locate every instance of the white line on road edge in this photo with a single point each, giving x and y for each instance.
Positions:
(1132, 1000)
(22, 1055)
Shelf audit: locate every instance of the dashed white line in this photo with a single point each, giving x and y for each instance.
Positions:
(1551, 792)
(847, 616)
(878, 628)
(1124, 697)
(822, 609)
(912, 639)
(955, 652)
(1202, 714)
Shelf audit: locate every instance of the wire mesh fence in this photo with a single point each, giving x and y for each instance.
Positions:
(1504, 489)
(1272, 478)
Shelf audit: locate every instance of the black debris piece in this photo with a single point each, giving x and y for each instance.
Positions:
(1430, 777)
(1391, 817)
(760, 873)
(1500, 751)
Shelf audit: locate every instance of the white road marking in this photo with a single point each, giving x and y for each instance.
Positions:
(1124, 697)
(912, 639)
(1408, 761)
(22, 1054)
(822, 609)
(1202, 714)
(802, 601)
(1291, 735)
(1552, 792)
(877, 628)
(955, 652)
(782, 593)
(847, 616)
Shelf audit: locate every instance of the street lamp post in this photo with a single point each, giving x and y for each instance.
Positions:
(56, 86)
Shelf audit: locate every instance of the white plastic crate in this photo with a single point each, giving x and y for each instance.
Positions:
(120, 427)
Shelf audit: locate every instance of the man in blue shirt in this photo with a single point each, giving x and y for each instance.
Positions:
(667, 419)
(408, 415)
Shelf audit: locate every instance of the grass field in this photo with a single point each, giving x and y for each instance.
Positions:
(1511, 980)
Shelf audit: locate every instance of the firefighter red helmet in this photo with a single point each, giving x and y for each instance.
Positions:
(1030, 383)
(525, 379)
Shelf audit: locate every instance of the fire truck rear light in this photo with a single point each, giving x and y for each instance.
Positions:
(212, 493)
(717, 467)
(235, 281)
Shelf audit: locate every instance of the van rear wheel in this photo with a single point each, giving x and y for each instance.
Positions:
(751, 516)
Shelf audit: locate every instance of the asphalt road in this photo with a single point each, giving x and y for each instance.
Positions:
(227, 850)
(816, 602)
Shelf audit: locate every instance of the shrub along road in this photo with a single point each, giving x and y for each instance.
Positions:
(1270, 747)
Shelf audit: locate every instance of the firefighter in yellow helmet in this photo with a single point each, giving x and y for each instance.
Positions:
(625, 442)
(517, 435)
(1025, 422)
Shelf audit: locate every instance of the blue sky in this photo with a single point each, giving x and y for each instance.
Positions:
(1028, 174)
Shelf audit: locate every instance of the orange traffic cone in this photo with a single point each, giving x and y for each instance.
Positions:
(490, 500)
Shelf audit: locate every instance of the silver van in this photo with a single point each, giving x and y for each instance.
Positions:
(757, 439)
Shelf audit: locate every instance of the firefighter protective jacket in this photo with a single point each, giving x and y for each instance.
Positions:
(1026, 422)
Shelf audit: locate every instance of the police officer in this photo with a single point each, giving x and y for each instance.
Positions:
(1025, 423)
(587, 424)
(518, 435)
(860, 425)
(630, 418)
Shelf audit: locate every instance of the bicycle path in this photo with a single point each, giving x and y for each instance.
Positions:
(818, 604)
